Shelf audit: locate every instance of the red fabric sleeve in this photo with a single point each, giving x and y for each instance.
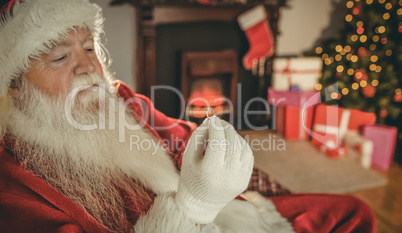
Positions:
(174, 132)
(26, 213)
(24, 210)
(326, 213)
(28, 204)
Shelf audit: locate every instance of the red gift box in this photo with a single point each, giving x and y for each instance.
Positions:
(293, 112)
(293, 122)
(331, 124)
(384, 140)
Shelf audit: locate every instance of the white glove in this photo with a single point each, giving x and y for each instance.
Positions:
(209, 182)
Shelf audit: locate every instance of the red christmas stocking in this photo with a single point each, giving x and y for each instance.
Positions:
(255, 25)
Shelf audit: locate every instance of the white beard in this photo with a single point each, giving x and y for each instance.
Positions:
(88, 166)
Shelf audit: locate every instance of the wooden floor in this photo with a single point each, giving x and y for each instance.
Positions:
(386, 201)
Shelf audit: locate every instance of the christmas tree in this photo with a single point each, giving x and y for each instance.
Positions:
(366, 60)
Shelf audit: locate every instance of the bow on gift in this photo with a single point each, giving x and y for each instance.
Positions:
(297, 67)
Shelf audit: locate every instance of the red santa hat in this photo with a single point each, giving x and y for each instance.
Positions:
(29, 28)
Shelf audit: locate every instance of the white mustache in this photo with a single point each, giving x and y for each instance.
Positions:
(82, 82)
(85, 82)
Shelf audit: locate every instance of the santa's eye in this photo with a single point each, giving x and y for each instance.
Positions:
(61, 58)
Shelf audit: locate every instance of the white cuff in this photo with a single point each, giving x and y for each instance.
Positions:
(251, 17)
(165, 217)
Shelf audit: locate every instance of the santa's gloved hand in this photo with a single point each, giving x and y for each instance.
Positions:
(209, 181)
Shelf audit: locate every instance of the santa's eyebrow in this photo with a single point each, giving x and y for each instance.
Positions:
(67, 43)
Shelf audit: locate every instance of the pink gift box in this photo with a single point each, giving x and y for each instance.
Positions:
(384, 139)
(296, 99)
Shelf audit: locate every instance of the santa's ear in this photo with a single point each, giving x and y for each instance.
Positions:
(15, 86)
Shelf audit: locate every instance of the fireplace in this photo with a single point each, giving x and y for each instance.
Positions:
(167, 31)
(209, 80)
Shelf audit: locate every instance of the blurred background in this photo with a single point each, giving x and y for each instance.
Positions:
(301, 24)
(340, 58)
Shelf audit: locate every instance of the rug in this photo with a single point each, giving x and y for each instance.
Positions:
(301, 168)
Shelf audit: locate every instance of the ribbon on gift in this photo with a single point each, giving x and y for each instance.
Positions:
(288, 71)
(338, 131)
(303, 122)
(363, 146)
(335, 153)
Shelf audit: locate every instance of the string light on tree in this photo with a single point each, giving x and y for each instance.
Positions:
(383, 113)
(369, 91)
(398, 95)
(348, 18)
(398, 98)
(380, 29)
(340, 69)
(388, 52)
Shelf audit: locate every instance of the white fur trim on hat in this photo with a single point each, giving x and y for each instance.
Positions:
(251, 17)
(34, 26)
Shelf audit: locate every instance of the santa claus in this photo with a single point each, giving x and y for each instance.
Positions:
(81, 152)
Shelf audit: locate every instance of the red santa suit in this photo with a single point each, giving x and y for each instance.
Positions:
(29, 204)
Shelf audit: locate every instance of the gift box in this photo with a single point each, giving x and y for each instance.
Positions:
(293, 112)
(301, 71)
(363, 146)
(293, 122)
(384, 139)
(331, 123)
(292, 98)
